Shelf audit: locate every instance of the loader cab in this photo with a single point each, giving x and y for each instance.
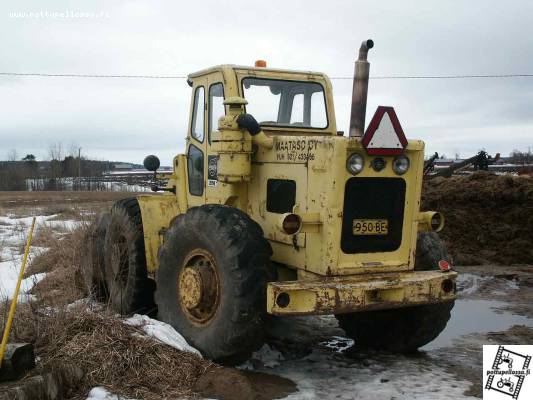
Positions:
(283, 102)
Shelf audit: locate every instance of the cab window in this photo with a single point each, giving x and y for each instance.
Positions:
(275, 102)
(216, 106)
(197, 124)
(195, 170)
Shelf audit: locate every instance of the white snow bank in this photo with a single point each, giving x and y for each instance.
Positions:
(161, 331)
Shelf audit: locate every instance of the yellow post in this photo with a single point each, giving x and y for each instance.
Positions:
(16, 295)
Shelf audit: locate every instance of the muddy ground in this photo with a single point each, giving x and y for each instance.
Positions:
(493, 307)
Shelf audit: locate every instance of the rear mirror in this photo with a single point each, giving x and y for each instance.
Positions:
(151, 163)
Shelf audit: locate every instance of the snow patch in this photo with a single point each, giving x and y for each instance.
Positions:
(90, 304)
(322, 375)
(470, 283)
(101, 393)
(161, 331)
(338, 343)
(269, 356)
(9, 270)
(512, 284)
(13, 236)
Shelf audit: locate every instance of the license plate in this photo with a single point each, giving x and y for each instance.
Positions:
(370, 227)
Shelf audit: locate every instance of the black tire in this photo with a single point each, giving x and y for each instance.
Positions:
(228, 322)
(403, 330)
(429, 251)
(130, 288)
(92, 260)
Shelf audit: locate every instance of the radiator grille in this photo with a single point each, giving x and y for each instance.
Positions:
(373, 198)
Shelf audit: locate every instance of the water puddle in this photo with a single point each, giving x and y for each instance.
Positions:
(470, 316)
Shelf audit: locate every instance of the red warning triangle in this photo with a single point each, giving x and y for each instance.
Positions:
(384, 135)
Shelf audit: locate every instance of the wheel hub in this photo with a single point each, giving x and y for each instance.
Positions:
(190, 288)
(198, 287)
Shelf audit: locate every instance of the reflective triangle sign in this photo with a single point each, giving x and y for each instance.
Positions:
(384, 135)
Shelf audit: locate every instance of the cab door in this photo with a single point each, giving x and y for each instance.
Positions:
(197, 144)
(216, 192)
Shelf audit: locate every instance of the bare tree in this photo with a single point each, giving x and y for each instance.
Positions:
(12, 155)
(73, 149)
(55, 151)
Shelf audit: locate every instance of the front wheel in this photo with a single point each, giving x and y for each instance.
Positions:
(403, 330)
(211, 283)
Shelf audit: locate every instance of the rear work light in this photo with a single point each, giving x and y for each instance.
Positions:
(291, 224)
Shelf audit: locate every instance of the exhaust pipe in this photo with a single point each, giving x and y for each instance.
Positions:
(360, 90)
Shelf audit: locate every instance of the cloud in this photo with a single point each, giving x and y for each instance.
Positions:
(128, 118)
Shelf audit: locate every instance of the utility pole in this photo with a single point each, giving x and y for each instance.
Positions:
(79, 168)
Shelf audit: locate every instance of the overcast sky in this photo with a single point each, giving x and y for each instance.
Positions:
(125, 119)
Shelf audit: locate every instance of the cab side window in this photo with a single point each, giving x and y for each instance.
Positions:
(195, 170)
(216, 106)
(197, 123)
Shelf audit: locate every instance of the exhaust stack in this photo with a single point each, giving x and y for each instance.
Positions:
(360, 90)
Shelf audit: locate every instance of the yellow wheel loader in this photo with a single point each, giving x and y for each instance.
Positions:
(271, 210)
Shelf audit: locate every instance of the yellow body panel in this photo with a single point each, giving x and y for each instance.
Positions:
(315, 159)
(157, 214)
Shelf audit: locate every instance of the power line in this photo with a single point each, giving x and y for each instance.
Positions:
(91, 76)
(488, 76)
(444, 76)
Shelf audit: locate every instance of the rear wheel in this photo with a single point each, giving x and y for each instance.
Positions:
(211, 282)
(130, 289)
(92, 260)
(403, 329)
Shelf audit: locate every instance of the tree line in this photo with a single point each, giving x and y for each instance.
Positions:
(55, 173)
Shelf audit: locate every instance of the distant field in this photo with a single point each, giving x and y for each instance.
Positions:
(66, 205)
(13, 199)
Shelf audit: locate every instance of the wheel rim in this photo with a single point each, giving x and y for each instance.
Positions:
(199, 287)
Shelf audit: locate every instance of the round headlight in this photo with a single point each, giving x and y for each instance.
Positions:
(400, 165)
(355, 164)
